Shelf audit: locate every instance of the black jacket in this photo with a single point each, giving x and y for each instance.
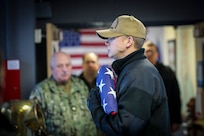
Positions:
(142, 100)
(173, 92)
(92, 85)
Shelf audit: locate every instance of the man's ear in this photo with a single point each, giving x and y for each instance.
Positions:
(129, 41)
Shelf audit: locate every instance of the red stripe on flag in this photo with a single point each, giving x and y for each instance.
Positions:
(76, 67)
(81, 55)
(91, 44)
(90, 32)
(103, 55)
(76, 55)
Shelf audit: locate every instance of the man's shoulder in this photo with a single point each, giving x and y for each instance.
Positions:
(164, 67)
(77, 79)
(46, 83)
(78, 82)
(165, 71)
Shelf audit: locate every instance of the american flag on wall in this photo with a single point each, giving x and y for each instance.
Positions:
(78, 42)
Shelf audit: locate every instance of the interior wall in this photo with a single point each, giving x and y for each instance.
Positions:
(18, 23)
(186, 63)
(169, 35)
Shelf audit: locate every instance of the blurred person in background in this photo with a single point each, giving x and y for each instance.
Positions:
(90, 66)
(63, 100)
(170, 82)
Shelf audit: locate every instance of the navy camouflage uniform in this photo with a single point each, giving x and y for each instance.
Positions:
(66, 112)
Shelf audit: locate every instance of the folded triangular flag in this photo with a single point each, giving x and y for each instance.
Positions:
(106, 82)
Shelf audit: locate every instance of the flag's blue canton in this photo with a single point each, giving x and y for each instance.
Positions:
(105, 82)
(70, 38)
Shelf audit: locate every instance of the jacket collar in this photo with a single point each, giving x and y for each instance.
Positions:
(119, 64)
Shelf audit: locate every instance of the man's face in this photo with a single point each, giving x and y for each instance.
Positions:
(90, 64)
(151, 53)
(61, 68)
(116, 47)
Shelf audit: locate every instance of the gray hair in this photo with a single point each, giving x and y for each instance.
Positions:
(138, 42)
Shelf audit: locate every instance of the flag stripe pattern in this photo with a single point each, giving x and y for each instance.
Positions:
(78, 42)
(106, 83)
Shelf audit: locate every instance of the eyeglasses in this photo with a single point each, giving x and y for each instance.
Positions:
(112, 38)
(150, 52)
